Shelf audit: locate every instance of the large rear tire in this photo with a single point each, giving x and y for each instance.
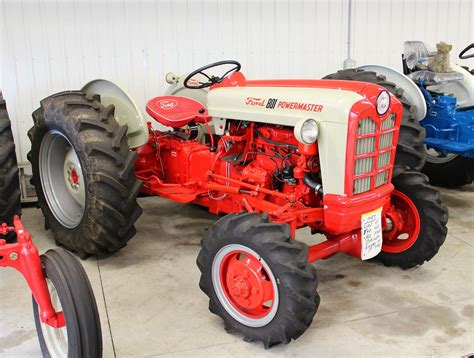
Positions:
(71, 293)
(418, 221)
(449, 171)
(410, 148)
(257, 279)
(84, 175)
(9, 181)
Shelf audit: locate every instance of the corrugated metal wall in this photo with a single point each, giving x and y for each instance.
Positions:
(381, 27)
(49, 46)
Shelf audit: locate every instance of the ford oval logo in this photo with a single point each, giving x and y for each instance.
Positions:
(167, 104)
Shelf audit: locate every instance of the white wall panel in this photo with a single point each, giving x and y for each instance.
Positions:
(381, 27)
(49, 46)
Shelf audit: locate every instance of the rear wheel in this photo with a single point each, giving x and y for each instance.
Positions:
(410, 148)
(84, 175)
(9, 181)
(416, 222)
(257, 279)
(448, 170)
(72, 294)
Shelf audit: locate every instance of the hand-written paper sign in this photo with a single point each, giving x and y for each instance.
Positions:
(371, 234)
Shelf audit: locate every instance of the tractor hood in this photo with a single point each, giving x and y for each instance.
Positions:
(288, 102)
(285, 102)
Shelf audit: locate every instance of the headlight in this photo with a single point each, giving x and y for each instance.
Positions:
(307, 131)
(383, 102)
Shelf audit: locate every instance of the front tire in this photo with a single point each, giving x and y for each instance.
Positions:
(9, 180)
(84, 175)
(257, 279)
(418, 221)
(72, 294)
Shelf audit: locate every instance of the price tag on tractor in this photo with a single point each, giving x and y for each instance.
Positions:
(371, 243)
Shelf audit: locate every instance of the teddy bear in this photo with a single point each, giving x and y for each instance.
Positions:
(440, 61)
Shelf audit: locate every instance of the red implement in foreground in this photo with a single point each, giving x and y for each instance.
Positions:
(65, 312)
(24, 257)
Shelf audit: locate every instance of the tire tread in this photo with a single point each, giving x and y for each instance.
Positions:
(289, 261)
(10, 203)
(108, 166)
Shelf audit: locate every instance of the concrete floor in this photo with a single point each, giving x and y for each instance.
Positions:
(150, 303)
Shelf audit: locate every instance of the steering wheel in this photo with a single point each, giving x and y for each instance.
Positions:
(464, 57)
(210, 79)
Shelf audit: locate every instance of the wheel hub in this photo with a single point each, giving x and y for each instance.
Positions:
(393, 223)
(388, 224)
(62, 179)
(245, 285)
(240, 288)
(73, 176)
(404, 227)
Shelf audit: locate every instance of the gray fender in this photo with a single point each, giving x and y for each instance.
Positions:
(410, 90)
(127, 112)
(462, 90)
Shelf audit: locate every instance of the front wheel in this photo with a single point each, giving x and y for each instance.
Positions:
(416, 221)
(258, 280)
(71, 293)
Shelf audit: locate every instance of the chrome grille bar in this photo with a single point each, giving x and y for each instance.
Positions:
(384, 160)
(381, 178)
(366, 126)
(361, 185)
(363, 165)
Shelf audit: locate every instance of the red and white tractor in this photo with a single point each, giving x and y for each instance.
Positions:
(274, 155)
(64, 307)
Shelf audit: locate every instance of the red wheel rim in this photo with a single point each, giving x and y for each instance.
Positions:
(406, 224)
(247, 284)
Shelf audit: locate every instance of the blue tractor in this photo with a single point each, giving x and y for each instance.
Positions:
(442, 103)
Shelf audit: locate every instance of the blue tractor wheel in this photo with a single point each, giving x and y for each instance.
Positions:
(448, 170)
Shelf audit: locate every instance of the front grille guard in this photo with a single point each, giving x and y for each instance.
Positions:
(375, 145)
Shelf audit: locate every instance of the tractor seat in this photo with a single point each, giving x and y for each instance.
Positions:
(431, 78)
(176, 111)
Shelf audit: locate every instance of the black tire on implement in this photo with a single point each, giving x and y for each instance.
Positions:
(287, 259)
(410, 148)
(78, 304)
(111, 207)
(433, 219)
(9, 180)
(457, 172)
